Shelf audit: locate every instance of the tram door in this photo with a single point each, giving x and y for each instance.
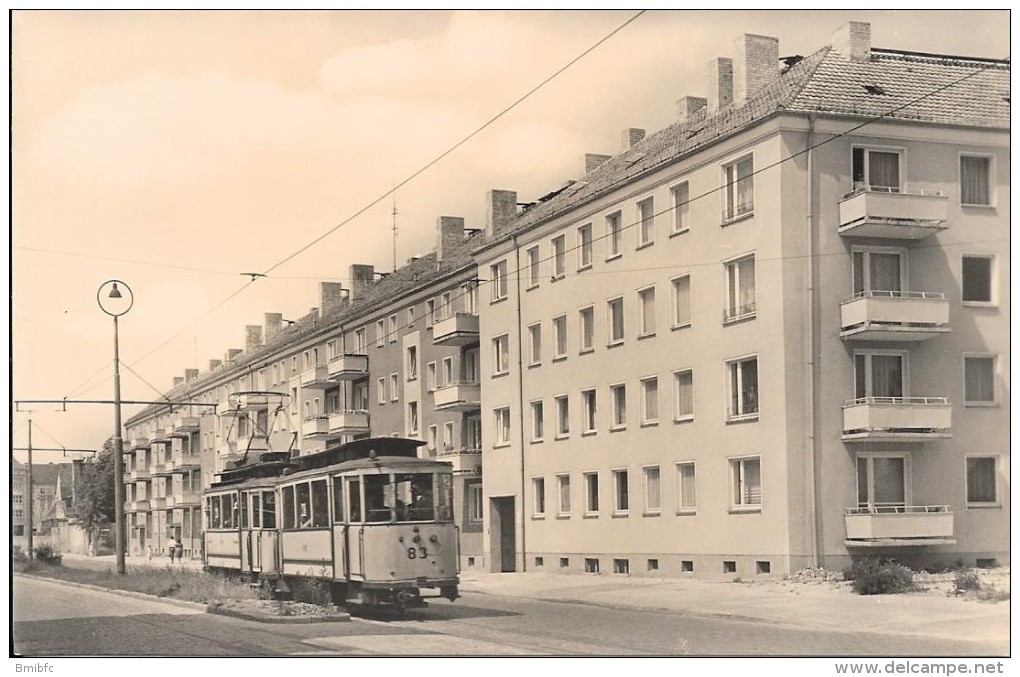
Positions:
(348, 527)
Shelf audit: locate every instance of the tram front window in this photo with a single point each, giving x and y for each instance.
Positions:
(268, 510)
(378, 498)
(415, 499)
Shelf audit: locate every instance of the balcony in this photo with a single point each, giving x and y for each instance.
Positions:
(892, 215)
(158, 503)
(896, 419)
(350, 422)
(184, 426)
(139, 474)
(460, 396)
(188, 497)
(159, 437)
(160, 469)
(317, 378)
(137, 506)
(139, 443)
(463, 459)
(459, 329)
(252, 400)
(882, 526)
(186, 462)
(315, 426)
(894, 316)
(348, 367)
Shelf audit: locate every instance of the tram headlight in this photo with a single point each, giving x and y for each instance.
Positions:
(417, 538)
(434, 538)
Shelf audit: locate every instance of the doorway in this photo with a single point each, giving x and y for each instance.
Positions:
(503, 543)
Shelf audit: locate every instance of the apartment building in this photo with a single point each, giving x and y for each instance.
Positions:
(773, 335)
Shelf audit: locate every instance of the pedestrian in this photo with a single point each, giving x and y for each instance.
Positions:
(172, 548)
(180, 551)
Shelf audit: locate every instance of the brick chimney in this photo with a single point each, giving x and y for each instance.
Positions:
(629, 137)
(331, 296)
(273, 323)
(720, 83)
(500, 210)
(231, 354)
(593, 161)
(756, 65)
(853, 41)
(449, 233)
(190, 374)
(252, 337)
(687, 107)
(362, 275)
(214, 363)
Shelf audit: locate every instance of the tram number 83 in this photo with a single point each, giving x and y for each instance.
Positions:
(417, 553)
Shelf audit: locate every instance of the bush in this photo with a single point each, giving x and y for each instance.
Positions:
(873, 576)
(18, 555)
(966, 581)
(47, 555)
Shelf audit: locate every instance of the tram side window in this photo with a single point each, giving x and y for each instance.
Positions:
(444, 496)
(354, 491)
(377, 507)
(320, 504)
(304, 506)
(230, 511)
(212, 512)
(414, 497)
(268, 510)
(287, 509)
(256, 510)
(244, 512)
(338, 499)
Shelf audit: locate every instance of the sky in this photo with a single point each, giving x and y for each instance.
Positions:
(176, 150)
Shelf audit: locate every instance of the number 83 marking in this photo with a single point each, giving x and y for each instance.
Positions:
(417, 553)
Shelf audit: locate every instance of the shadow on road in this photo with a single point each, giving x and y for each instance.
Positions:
(443, 611)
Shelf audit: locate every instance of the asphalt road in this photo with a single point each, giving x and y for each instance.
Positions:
(51, 619)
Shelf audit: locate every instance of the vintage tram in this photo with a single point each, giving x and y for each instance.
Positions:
(369, 520)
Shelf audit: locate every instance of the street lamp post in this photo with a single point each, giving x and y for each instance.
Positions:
(115, 302)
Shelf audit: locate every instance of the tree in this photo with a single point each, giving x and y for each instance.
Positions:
(94, 494)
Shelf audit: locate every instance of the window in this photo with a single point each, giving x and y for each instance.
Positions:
(394, 387)
(739, 289)
(619, 396)
(501, 354)
(502, 422)
(591, 565)
(977, 279)
(447, 374)
(681, 301)
(393, 328)
(538, 492)
(680, 195)
(533, 263)
(746, 476)
(979, 379)
(587, 316)
(433, 438)
(448, 436)
(683, 395)
(878, 270)
(881, 481)
(474, 494)
(497, 273)
(981, 481)
(471, 297)
(621, 492)
(614, 234)
(535, 344)
(878, 374)
(562, 416)
(410, 316)
(360, 341)
(559, 247)
(560, 331)
(653, 495)
(615, 321)
(537, 421)
(686, 493)
(380, 333)
(646, 222)
(585, 246)
(430, 312)
(591, 492)
(743, 389)
(649, 400)
(430, 375)
(876, 170)
(563, 483)
(380, 385)
(646, 301)
(975, 180)
(738, 188)
(588, 402)
(412, 363)
(412, 418)
(621, 566)
(446, 305)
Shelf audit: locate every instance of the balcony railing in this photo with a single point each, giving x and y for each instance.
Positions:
(348, 367)
(739, 313)
(737, 211)
(315, 426)
(899, 525)
(317, 378)
(140, 505)
(185, 425)
(900, 419)
(899, 215)
(464, 459)
(348, 422)
(139, 474)
(187, 497)
(459, 396)
(186, 462)
(894, 316)
(158, 503)
(139, 443)
(459, 329)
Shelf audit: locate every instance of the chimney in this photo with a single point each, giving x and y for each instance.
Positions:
(630, 136)
(214, 363)
(592, 161)
(178, 380)
(190, 374)
(449, 233)
(853, 41)
(720, 83)
(231, 354)
(252, 337)
(331, 296)
(756, 65)
(500, 210)
(273, 322)
(687, 107)
(362, 275)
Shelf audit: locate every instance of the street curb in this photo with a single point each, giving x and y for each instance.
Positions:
(221, 611)
(197, 606)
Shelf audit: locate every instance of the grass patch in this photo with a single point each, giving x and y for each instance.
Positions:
(191, 586)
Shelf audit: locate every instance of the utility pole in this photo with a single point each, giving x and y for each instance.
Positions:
(29, 519)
